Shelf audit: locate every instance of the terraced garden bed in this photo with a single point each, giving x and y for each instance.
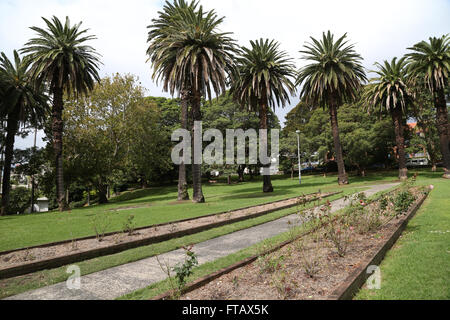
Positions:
(331, 262)
(26, 260)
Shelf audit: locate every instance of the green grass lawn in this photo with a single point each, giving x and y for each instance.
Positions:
(159, 205)
(418, 266)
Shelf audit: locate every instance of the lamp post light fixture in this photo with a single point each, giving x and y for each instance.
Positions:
(298, 150)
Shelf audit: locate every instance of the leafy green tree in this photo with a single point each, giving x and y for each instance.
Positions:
(110, 133)
(431, 62)
(263, 80)
(390, 93)
(193, 55)
(21, 101)
(61, 59)
(333, 77)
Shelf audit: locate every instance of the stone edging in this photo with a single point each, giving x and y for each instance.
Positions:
(345, 291)
(98, 252)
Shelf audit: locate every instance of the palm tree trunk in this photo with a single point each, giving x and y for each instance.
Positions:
(57, 131)
(11, 131)
(342, 175)
(32, 176)
(196, 168)
(442, 126)
(182, 182)
(400, 141)
(267, 183)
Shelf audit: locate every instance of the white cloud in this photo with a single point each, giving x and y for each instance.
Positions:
(380, 29)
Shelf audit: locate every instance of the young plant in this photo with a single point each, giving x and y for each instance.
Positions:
(129, 226)
(281, 284)
(184, 270)
(165, 267)
(269, 263)
(339, 231)
(310, 260)
(100, 223)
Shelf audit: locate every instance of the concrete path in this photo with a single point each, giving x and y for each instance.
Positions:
(117, 281)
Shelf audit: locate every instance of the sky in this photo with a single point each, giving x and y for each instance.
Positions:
(379, 29)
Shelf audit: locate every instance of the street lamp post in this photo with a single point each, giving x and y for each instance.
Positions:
(298, 150)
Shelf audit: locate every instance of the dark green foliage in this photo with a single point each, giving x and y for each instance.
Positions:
(20, 199)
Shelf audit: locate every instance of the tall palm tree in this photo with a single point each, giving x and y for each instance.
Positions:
(333, 77)
(21, 101)
(159, 31)
(431, 61)
(194, 55)
(263, 79)
(390, 93)
(61, 59)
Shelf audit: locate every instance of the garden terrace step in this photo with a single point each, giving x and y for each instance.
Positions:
(61, 253)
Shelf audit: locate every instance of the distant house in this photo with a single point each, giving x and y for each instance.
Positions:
(419, 158)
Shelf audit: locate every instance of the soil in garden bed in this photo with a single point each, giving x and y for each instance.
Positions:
(25, 256)
(283, 273)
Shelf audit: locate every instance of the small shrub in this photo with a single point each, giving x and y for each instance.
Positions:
(402, 201)
(19, 200)
(281, 284)
(338, 230)
(184, 270)
(129, 226)
(269, 263)
(310, 261)
(100, 223)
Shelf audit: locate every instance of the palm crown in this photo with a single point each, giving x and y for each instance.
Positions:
(59, 57)
(187, 51)
(19, 94)
(263, 75)
(336, 71)
(389, 90)
(431, 59)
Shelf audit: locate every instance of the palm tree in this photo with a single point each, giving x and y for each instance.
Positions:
(333, 77)
(389, 92)
(159, 31)
(431, 61)
(194, 56)
(61, 59)
(21, 102)
(263, 80)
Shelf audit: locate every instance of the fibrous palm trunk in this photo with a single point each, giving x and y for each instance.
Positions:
(443, 130)
(182, 182)
(342, 175)
(11, 130)
(57, 131)
(267, 183)
(196, 167)
(400, 141)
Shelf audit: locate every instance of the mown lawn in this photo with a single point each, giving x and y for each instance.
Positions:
(418, 266)
(158, 205)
